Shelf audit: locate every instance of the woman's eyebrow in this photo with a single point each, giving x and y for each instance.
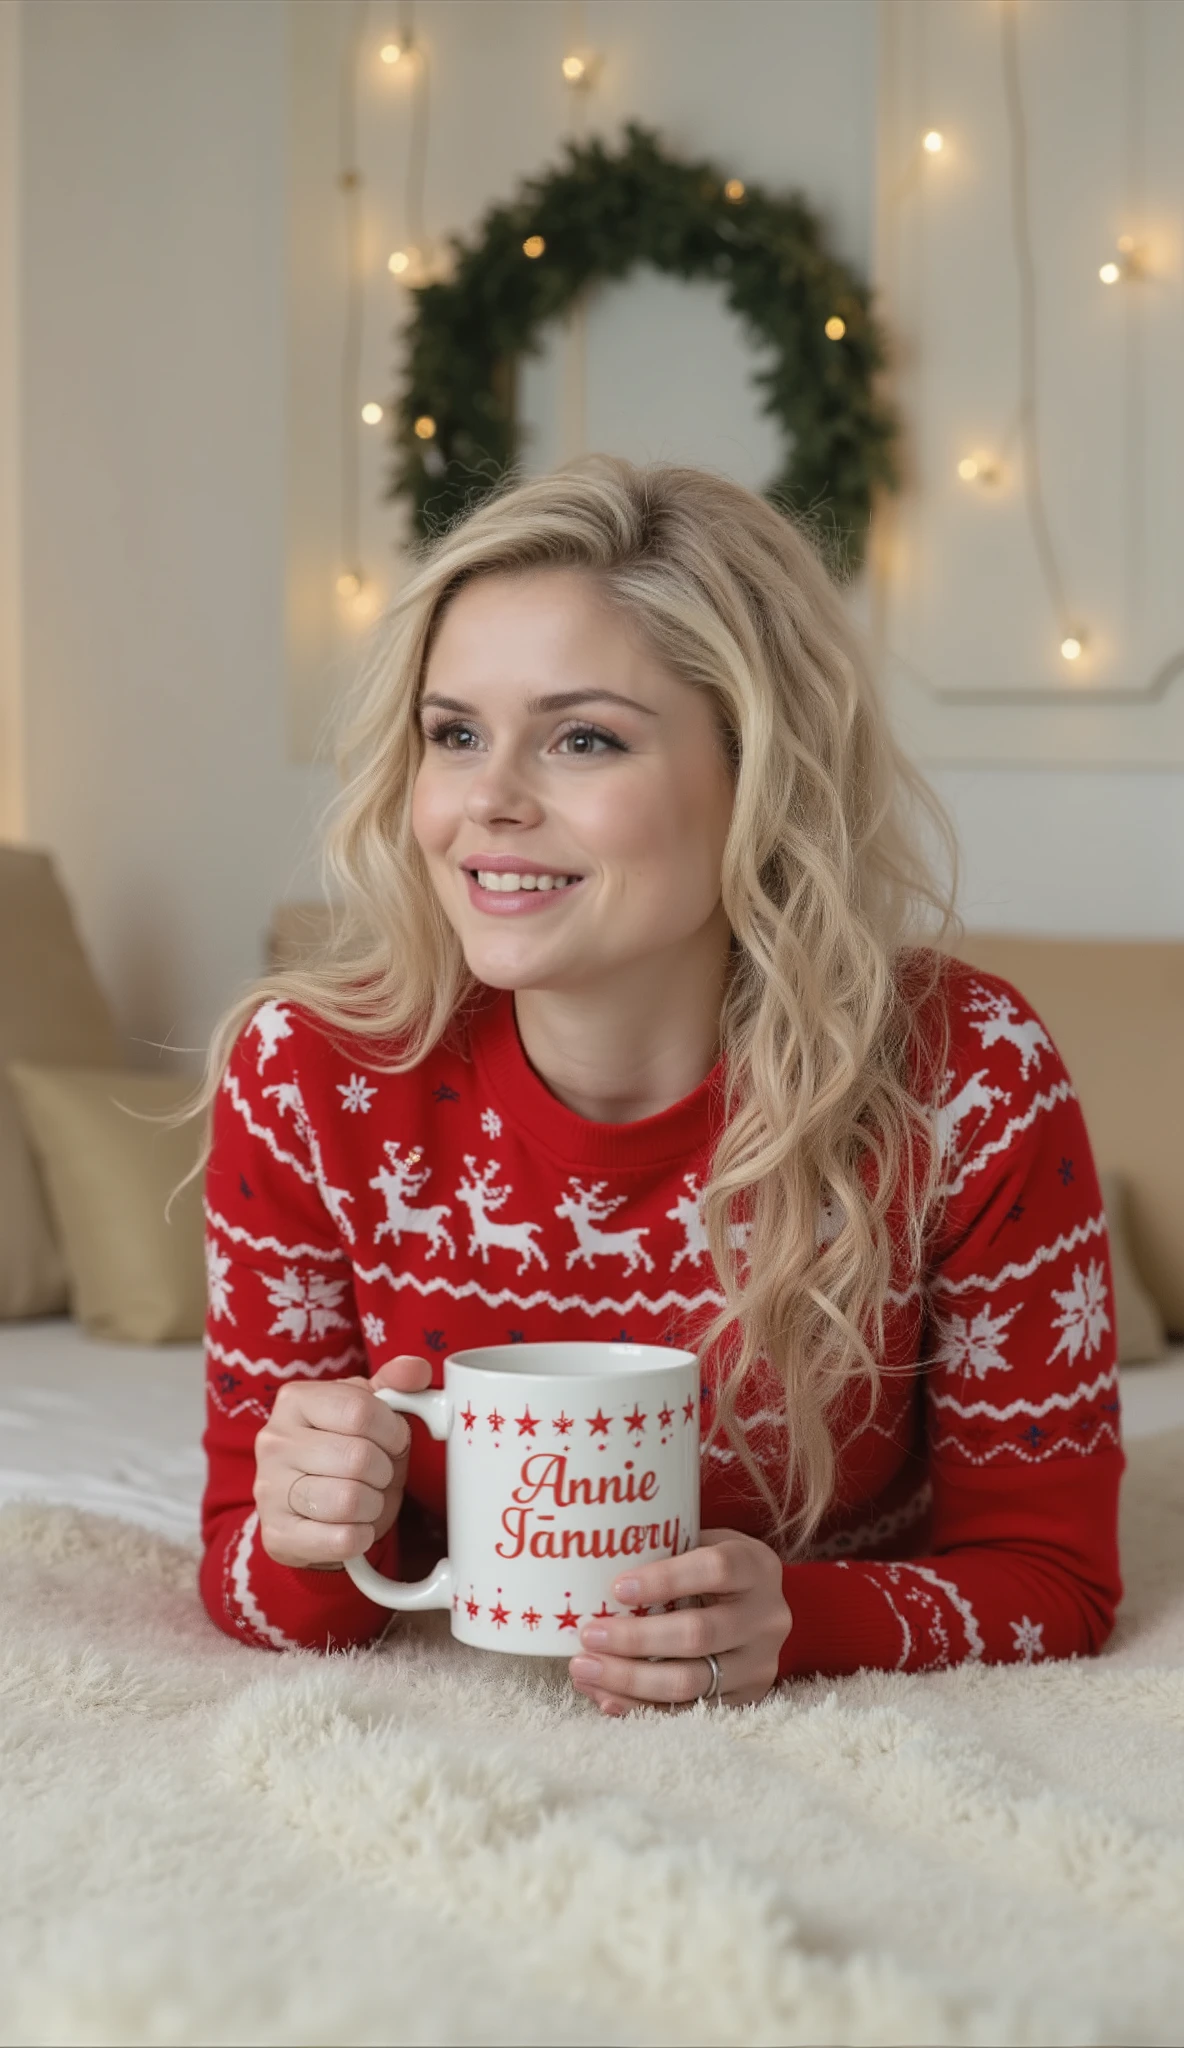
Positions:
(535, 705)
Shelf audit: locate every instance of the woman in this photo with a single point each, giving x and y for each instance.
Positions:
(628, 884)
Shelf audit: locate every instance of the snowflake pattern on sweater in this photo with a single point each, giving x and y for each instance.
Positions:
(353, 1215)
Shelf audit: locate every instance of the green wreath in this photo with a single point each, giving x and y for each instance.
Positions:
(597, 216)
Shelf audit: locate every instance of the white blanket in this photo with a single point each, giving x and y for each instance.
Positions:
(423, 1842)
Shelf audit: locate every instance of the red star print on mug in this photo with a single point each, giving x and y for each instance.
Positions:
(568, 1620)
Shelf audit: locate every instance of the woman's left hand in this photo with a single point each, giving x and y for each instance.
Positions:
(744, 1624)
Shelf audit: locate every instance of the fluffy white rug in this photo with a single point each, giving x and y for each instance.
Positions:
(426, 1843)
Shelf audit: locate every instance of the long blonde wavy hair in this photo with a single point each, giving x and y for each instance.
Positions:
(823, 875)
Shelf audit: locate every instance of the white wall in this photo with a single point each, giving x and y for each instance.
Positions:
(152, 332)
(12, 748)
(1087, 852)
(152, 374)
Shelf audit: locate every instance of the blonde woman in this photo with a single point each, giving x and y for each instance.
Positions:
(630, 924)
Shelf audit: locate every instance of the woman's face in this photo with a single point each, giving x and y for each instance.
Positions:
(555, 742)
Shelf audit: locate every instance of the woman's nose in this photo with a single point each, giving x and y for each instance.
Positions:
(500, 788)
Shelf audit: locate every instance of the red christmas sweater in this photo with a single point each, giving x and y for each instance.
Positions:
(353, 1215)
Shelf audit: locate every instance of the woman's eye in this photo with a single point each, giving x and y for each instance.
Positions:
(590, 732)
(442, 736)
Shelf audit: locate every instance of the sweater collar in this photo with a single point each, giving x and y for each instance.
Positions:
(674, 1134)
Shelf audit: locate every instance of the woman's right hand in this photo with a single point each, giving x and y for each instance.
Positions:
(331, 1465)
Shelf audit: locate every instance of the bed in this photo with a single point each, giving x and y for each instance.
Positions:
(208, 1845)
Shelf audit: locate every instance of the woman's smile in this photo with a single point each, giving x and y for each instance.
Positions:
(509, 895)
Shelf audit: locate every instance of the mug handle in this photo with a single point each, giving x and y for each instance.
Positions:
(434, 1408)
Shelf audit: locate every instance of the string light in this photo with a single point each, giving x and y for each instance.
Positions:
(734, 191)
(416, 261)
(533, 246)
(1133, 262)
(573, 388)
(1073, 638)
(981, 469)
(580, 67)
(835, 328)
(409, 263)
(1134, 259)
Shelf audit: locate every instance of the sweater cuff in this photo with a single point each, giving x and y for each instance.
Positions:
(334, 1613)
(841, 1623)
(290, 1607)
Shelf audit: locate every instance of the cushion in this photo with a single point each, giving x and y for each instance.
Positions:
(51, 1011)
(1140, 1325)
(1115, 1011)
(133, 1274)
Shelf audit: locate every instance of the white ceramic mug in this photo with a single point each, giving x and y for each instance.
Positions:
(566, 1464)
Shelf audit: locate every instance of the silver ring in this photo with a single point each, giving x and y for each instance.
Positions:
(713, 1690)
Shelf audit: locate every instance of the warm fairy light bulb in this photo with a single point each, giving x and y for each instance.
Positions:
(533, 246)
(580, 66)
(1133, 262)
(1072, 644)
(734, 190)
(349, 583)
(982, 469)
(371, 413)
(934, 141)
(391, 52)
(425, 426)
(835, 328)
(398, 261)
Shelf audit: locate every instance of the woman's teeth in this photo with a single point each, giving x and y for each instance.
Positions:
(490, 879)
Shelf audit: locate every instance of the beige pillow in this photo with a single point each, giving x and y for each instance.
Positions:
(51, 1010)
(132, 1275)
(1140, 1325)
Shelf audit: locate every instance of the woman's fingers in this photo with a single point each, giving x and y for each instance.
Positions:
(676, 1683)
(319, 1497)
(325, 1455)
(636, 1659)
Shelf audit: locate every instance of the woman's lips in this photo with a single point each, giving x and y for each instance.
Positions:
(515, 902)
